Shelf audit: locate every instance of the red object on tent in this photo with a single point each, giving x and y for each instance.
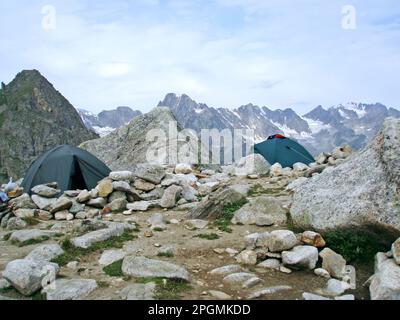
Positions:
(280, 136)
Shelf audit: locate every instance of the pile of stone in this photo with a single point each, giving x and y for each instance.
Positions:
(149, 186)
(285, 251)
(385, 283)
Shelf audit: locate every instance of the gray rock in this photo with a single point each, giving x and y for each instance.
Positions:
(87, 240)
(252, 282)
(247, 257)
(72, 193)
(225, 270)
(347, 297)
(16, 224)
(122, 176)
(359, 192)
(81, 215)
(97, 203)
(263, 210)
(43, 203)
(44, 215)
(396, 251)
(312, 296)
(296, 183)
(270, 264)
(76, 207)
(45, 252)
(63, 216)
(110, 256)
(23, 236)
(155, 194)
(117, 205)
(251, 240)
(122, 186)
(219, 295)
(320, 272)
(117, 195)
(70, 289)
(142, 205)
(334, 263)
(281, 240)
(61, 204)
(45, 191)
(237, 278)
(22, 202)
(24, 213)
(135, 292)
(336, 287)
(170, 197)
(142, 267)
(196, 224)
(27, 276)
(385, 284)
(252, 164)
(84, 196)
(301, 257)
(300, 167)
(189, 193)
(213, 207)
(150, 173)
(144, 185)
(268, 291)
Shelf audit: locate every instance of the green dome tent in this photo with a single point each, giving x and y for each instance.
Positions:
(284, 151)
(72, 168)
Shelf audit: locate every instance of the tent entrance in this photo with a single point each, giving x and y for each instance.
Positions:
(77, 180)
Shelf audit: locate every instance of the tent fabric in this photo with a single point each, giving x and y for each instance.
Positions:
(71, 167)
(287, 152)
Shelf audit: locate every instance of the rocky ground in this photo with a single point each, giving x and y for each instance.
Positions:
(181, 233)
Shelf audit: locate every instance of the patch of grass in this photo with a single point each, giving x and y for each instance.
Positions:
(7, 236)
(72, 253)
(31, 221)
(359, 245)
(158, 229)
(224, 221)
(114, 269)
(34, 241)
(38, 296)
(167, 289)
(103, 284)
(208, 236)
(165, 254)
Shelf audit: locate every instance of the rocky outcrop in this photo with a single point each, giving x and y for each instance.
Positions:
(34, 118)
(365, 190)
(130, 145)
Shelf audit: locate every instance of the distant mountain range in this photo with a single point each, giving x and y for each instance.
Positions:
(319, 130)
(107, 121)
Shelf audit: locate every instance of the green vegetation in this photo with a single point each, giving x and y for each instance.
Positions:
(103, 284)
(7, 236)
(208, 236)
(158, 229)
(224, 221)
(38, 296)
(114, 269)
(33, 241)
(165, 254)
(167, 289)
(359, 245)
(72, 253)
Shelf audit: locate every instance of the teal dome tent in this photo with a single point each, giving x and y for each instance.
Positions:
(283, 150)
(72, 168)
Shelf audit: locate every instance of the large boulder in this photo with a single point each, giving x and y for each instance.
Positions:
(362, 191)
(69, 289)
(171, 195)
(263, 210)
(46, 252)
(301, 257)
(212, 207)
(45, 191)
(141, 267)
(27, 275)
(254, 164)
(385, 284)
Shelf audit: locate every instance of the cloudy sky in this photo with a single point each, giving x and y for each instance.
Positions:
(278, 53)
